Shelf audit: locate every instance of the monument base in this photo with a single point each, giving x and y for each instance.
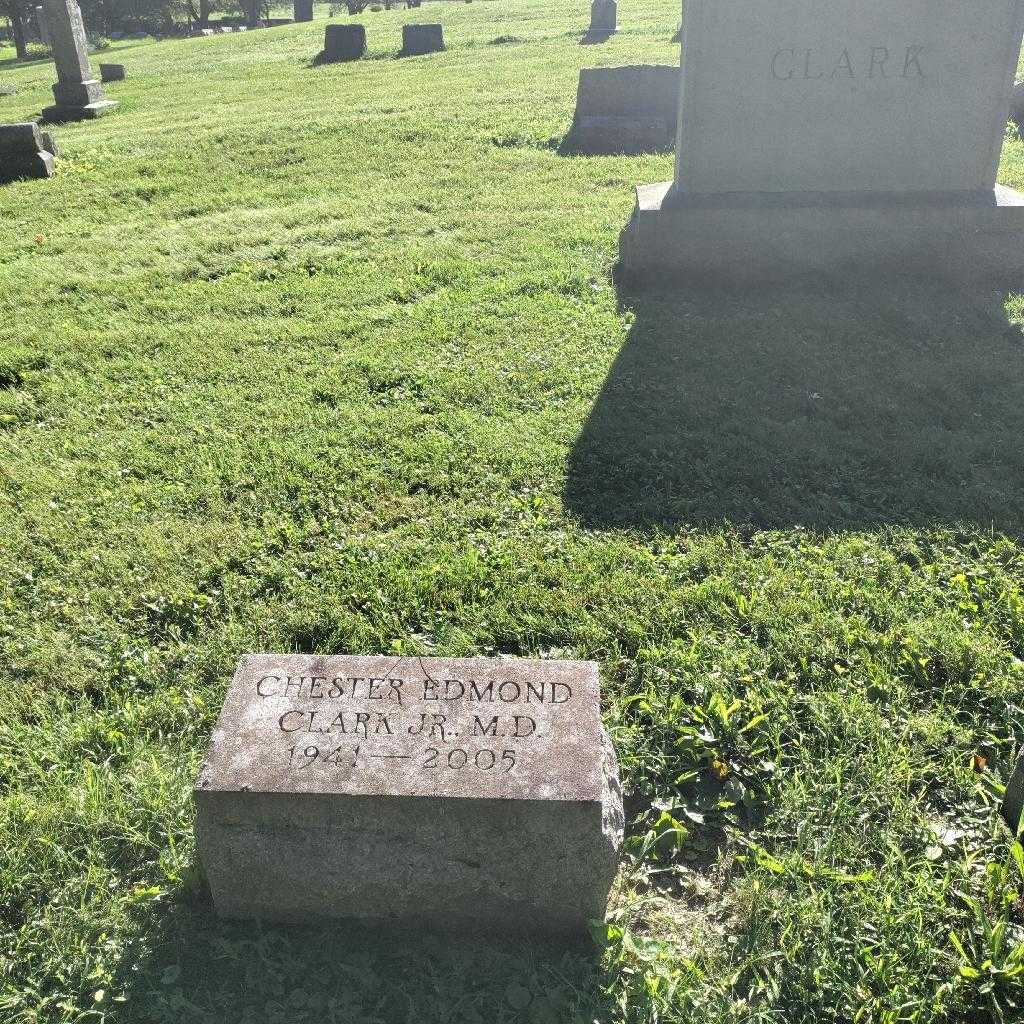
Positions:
(761, 236)
(59, 113)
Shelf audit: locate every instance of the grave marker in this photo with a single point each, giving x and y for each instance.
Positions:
(78, 95)
(344, 42)
(602, 18)
(25, 152)
(812, 136)
(476, 794)
(420, 39)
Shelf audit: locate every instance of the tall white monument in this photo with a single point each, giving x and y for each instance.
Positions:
(816, 134)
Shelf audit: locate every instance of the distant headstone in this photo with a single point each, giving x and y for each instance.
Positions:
(43, 27)
(1013, 799)
(25, 152)
(602, 17)
(630, 109)
(463, 794)
(835, 136)
(417, 39)
(8, 90)
(112, 72)
(78, 95)
(1017, 105)
(344, 42)
(303, 10)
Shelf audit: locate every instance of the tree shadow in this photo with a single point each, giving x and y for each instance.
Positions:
(824, 403)
(193, 967)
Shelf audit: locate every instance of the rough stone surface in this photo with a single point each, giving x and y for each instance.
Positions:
(25, 152)
(371, 775)
(344, 42)
(303, 10)
(602, 17)
(417, 39)
(630, 109)
(1013, 799)
(112, 72)
(805, 121)
(78, 95)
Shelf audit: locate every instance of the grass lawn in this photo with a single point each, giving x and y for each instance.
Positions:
(330, 359)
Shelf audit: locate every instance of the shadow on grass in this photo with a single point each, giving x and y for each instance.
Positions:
(837, 404)
(595, 38)
(196, 968)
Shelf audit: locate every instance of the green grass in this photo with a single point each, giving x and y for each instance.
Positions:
(330, 359)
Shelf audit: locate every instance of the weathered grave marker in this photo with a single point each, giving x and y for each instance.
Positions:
(344, 42)
(419, 39)
(303, 10)
(814, 136)
(455, 793)
(630, 109)
(25, 152)
(78, 95)
(112, 72)
(602, 18)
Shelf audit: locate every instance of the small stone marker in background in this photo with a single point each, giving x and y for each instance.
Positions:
(303, 10)
(417, 39)
(78, 95)
(344, 42)
(463, 794)
(630, 109)
(25, 152)
(602, 18)
(829, 137)
(111, 72)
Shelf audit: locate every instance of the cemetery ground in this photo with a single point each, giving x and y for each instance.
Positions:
(331, 359)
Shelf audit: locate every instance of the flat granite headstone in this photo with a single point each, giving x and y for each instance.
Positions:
(849, 134)
(25, 152)
(344, 42)
(112, 72)
(461, 794)
(418, 39)
(303, 10)
(78, 95)
(631, 109)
